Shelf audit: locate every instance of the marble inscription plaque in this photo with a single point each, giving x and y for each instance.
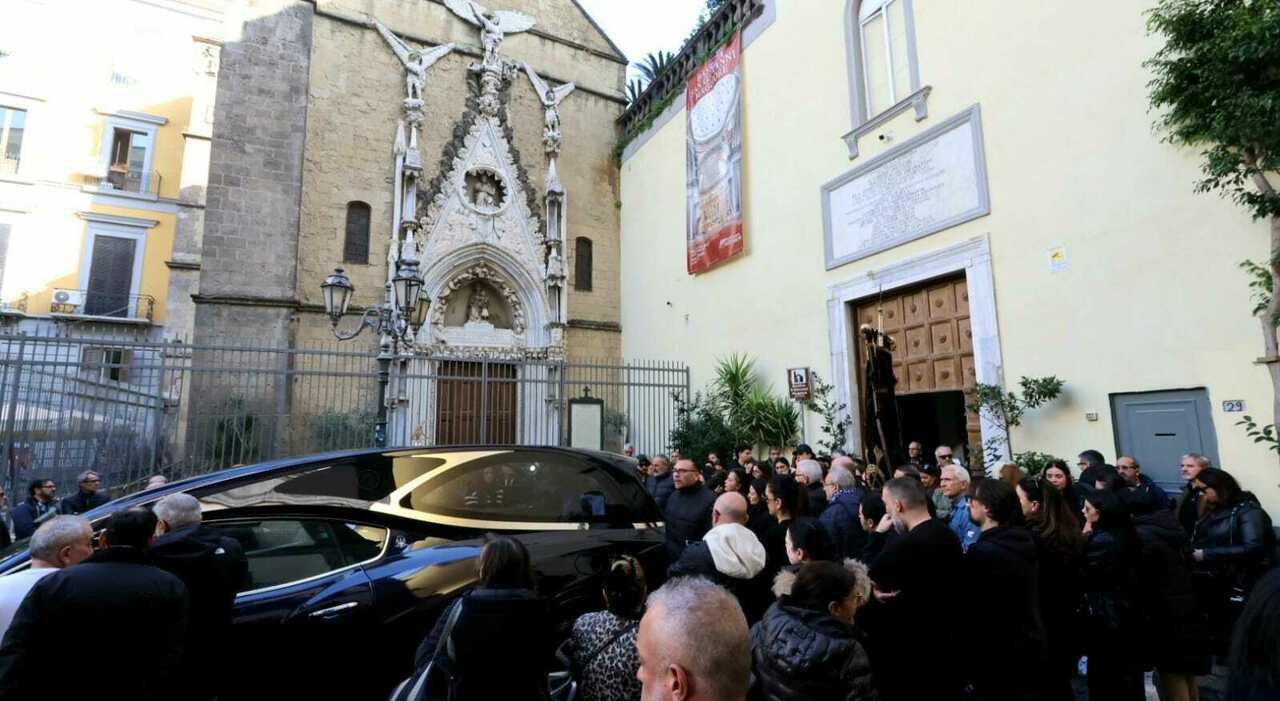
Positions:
(932, 182)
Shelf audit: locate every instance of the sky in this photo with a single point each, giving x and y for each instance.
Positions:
(640, 27)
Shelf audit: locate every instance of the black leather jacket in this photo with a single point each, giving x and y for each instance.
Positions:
(800, 654)
(1237, 542)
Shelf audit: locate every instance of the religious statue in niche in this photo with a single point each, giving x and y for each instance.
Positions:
(551, 99)
(478, 307)
(485, 191)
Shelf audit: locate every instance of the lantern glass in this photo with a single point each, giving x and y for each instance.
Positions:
(407, 286)
(419, 316)
(337, 290)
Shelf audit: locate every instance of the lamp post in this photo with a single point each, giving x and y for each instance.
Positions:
(393, 321)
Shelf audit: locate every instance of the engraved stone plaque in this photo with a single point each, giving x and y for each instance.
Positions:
(924, 185)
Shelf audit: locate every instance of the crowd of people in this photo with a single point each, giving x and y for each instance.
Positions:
(809, 578)
(151, 608)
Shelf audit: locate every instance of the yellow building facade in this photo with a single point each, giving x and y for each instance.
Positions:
(104, 129)
(982, 181)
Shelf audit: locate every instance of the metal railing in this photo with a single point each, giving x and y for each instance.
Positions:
(135, 181)
(129, 408)
(90, 303)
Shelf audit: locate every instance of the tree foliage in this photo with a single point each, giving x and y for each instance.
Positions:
(738, 408)
(835, 415)
(1006, 409)
(1216, 82)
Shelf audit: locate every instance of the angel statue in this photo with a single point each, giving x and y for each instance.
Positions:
(493, 25)
(415, 62)
(551, 99)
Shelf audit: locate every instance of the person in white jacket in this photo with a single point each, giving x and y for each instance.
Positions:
(60, 542)
(729, 555)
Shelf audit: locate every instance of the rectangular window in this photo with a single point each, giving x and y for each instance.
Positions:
(111, 268)
(127, 168)
(13, 124)
(107, 364)
(885, 65)
(582, 264)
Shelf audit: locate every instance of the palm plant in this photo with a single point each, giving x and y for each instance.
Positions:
(634, 89)
(654, 64)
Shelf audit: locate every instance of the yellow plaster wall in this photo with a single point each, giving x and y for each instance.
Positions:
(1151, 300)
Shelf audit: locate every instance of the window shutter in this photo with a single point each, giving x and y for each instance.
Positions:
(582, 264)
(126, 361)
(355, 248)
(110, 276)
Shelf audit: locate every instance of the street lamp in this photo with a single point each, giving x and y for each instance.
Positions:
(395, 321)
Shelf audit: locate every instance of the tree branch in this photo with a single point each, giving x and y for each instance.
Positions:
(1259, 178)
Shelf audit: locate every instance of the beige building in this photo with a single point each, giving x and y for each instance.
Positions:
(106, 110)
(982, 181)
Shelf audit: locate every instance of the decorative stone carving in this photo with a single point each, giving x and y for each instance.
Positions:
(551, 99)
(415, 63)
(493, 25)
(478, 305)
(485, 191)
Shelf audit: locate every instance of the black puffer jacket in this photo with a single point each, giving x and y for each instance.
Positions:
(1172, 626)
(688, 518)
(660, 488)
(800, 654)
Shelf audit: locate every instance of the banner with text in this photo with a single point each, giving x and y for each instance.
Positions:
(714, 164)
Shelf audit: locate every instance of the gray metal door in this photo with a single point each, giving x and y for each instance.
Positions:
(1158, 428)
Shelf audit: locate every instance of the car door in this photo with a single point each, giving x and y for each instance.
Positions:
(307, 604)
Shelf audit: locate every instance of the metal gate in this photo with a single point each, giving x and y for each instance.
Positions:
(130, 408)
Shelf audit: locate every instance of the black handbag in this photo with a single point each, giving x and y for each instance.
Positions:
(435, 681)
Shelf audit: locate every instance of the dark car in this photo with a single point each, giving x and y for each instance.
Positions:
(353, 555)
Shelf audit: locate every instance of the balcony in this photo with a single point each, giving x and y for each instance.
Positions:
(132, 181)
(87, 303)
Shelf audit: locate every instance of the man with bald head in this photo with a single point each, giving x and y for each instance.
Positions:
(729, 555)
(693, 644)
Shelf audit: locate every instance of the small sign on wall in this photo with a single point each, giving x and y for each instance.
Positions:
(799, 385)
(1058, 259)
(1233, 405)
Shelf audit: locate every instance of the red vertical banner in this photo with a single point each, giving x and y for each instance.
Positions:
(714, 166)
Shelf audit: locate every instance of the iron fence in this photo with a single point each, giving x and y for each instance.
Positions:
(129, 407)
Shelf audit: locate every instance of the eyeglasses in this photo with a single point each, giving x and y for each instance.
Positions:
(685, 469)
(944, 457)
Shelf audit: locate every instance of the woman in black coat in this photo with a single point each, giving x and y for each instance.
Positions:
(1255, 649)
(1232, 547)
(806, 646)
(1111, 625)
(1058, 474)
(1173, 628)
(504, 601)
(1060, 548)
(758, 519)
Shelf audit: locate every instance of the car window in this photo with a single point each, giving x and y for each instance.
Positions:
(521, 486)
(280, 551)
(355, 482)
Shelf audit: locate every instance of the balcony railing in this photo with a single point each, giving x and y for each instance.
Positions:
(88, 303)
(135, 181)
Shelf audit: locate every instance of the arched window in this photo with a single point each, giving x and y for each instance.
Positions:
(355, 247)
(582, 264)
(883, 70)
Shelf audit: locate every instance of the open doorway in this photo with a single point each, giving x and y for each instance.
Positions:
(934, 419)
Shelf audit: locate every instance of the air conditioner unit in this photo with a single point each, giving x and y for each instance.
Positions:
(69, 297)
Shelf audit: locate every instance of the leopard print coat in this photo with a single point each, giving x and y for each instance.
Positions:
(611, 675)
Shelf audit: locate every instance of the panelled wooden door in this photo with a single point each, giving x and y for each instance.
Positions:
(468, 391)
(932, 340)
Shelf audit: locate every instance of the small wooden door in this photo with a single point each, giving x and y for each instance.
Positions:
(932, 341)
(476, 403)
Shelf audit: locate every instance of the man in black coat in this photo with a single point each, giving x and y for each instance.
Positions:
(659, 482)
(729, 555)
(1002, 572)
(1140, 490)
(903, 607)
(116, 614)
(1188, 503)
(89, 496)
(214, 569)
(688, 511)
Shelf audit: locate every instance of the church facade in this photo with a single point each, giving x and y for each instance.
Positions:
(474, 145)
(361, 132)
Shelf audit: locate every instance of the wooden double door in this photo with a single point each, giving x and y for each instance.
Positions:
(476, 403)
(932, 352)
